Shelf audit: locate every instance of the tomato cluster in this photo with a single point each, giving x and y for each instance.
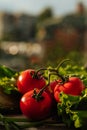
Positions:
(39, 96)
(35, 103)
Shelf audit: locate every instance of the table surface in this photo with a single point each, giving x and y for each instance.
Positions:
(60, 126)
(44, 128)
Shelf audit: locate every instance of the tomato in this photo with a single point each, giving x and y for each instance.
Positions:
(74, 86)
(57, 91)
(36, 109)
(29, 80)
(53, 84)
(50, 88)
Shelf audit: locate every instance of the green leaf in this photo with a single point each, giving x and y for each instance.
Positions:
(6, 72)
(77, 123)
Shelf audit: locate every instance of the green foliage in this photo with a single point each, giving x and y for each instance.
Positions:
(6, 71)
(73, 109)
(64, 110)
(76, 57)
(7, 79)
(75, 70)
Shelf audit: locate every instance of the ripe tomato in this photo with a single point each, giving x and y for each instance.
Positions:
(74, 86)
(27, 81)
(52, 85)
(36, 109)
(50, 88)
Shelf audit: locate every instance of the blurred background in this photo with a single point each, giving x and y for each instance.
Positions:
(35, 33)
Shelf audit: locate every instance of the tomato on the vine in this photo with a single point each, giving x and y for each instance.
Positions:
(74, 86)
(29, 79)
(51, 87)
(34, 106)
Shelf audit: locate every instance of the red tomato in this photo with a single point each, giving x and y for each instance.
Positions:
(27, 81)
(36, 109)
(57, 91)
(53, 84)
(50, 88)
(73, 86)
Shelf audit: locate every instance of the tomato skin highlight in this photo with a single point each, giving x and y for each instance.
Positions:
(74, 86)
(26, 82)
(33, 109)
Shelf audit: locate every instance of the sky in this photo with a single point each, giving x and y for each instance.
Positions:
(34, 7)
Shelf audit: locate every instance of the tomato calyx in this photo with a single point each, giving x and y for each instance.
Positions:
(35, 75)
(38, 96)
(65, 80)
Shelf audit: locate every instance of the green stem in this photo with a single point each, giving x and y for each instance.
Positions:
(15, 126)
(7, 127)
(55, 72)
(41, 69)
(36, 74)
(16, 119)
(31, 124)
(55, 124)
(61, 63)
(40, 123)
(41, 91)
(13, 122)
